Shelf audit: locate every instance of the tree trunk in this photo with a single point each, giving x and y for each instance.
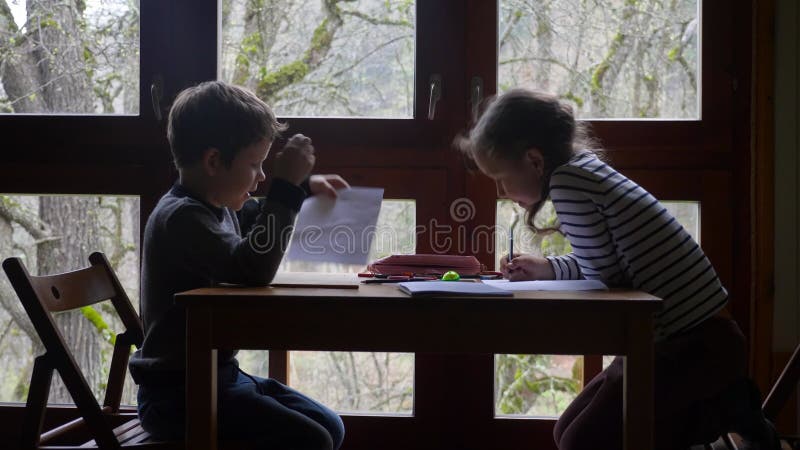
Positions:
(20, 77)
(73, 219)
(544, 47)
(262, 21)
(605, 74)
(59, 50)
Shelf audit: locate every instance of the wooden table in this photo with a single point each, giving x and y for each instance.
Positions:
(616, 322)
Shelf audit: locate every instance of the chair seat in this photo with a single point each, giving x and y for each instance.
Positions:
(132, 436)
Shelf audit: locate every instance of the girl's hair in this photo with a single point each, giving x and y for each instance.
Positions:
(519, 120)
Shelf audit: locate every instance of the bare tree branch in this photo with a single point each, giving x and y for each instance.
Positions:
(378, 21)
(370, 53)
(28, 220)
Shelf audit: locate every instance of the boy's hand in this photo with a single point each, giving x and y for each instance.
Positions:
(295, 161)
(326, 184)
(526, 267)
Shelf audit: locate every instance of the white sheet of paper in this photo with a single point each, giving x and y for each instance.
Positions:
(337, 230)
(549, 285)
(447, 288)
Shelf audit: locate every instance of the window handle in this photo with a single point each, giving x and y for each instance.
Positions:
(156, 94)
(436, 95)
(476, 96)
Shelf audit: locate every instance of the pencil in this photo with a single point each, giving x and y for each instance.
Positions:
(514, 219)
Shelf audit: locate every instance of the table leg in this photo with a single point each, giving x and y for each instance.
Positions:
(201, 381)
(638, 393)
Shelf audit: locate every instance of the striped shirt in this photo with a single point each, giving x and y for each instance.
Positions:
(623, 236)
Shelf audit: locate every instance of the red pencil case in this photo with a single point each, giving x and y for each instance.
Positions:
(426, 265)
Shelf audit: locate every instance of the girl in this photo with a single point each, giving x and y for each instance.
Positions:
(531, 146)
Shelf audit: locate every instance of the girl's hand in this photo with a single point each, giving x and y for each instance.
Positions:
(326, 184)
(526, 267)
(294, 162)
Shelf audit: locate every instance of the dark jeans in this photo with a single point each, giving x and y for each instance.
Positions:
(250, 408)
(689, 368)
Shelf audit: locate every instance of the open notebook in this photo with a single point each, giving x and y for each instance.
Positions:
(450, 288)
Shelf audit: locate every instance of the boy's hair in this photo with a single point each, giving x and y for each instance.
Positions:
(522, 119)
(215, 114)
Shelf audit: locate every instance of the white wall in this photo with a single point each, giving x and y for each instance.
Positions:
(786, 333)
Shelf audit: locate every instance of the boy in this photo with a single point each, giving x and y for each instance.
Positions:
(220, 135)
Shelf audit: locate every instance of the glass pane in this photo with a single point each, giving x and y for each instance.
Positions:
(687, 213)
(608, 58)
(61, 59)
(54, 234)
(355, 381)
(322, 58)
(536, 385)
(525, 241)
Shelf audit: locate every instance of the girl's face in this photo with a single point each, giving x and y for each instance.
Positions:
(519, 181)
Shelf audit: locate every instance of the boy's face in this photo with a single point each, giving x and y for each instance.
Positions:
(232, 185)
(519, 181)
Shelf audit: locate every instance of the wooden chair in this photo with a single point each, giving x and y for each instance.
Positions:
(43, 295)
(783, 388)
(775, 400)
(758, 422)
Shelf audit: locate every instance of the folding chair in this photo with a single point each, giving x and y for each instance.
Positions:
(43, 295)
(783, 388)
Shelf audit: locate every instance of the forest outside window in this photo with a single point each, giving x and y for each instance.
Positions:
(322, 58)
(69, 57)
(55, 234)
(610, 59)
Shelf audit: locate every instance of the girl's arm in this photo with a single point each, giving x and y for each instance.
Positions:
(565, 267)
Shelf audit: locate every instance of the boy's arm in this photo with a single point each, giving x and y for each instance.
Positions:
(223, 256)
(252, 208)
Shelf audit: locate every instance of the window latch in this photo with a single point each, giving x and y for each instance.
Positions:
(435, 96)
(476, 96)
(156, 94)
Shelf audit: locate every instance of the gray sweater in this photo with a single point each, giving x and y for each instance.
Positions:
(190, 244)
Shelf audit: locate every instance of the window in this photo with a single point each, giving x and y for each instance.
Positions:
(309, 58)
(62, 59)
(609, 59)
(54, 234)
(694, 147)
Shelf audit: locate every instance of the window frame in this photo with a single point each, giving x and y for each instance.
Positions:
(129, 155)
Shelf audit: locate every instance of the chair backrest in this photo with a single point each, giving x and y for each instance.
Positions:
(43, 295)
(784, 386)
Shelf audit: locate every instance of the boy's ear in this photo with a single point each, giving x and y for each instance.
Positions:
(534, 157)
(211, 161)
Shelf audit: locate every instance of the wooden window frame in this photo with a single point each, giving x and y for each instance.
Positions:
(412, 158)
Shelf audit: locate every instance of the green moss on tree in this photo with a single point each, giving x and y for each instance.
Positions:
(102, 327)
(272, 82)
(577, 100)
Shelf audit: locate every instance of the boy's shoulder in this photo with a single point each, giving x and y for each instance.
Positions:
(175, 211)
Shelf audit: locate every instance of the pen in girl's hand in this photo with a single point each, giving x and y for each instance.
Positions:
(514, 220)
